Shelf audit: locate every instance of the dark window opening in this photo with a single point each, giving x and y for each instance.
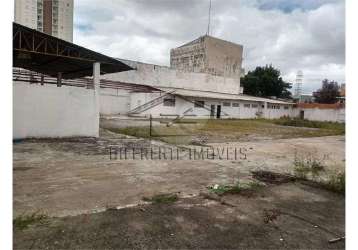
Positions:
(199, 104)
(235, 104)
(226, 104)
(169, 102)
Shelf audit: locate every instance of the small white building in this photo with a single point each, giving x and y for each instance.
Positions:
(206, 104)
(202, 82)
(192, 95)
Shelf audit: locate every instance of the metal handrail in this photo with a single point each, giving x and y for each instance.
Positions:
(150, 104)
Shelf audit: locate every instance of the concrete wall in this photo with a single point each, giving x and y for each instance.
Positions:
(161, 76)
(114, 101)
(208, 55)
(190, 57)
(223, 58)
(316, 114)
(50, 111)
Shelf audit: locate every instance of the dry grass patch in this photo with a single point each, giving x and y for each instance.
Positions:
(227, 130)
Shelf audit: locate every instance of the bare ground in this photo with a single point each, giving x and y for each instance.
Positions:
(286, 216)
(74, 182)
(70, 177)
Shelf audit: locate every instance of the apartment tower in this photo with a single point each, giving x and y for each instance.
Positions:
(54, 17)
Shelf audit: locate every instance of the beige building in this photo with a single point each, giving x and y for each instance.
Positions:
(54, 17)
(209, 55)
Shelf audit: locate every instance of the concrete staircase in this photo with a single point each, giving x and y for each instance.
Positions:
(150, 104)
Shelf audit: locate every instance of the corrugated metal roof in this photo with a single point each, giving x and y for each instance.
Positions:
(36, 51)
(216, 95)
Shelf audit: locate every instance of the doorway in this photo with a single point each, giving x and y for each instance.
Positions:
(218, 111)
(212, 111)
(302, 114)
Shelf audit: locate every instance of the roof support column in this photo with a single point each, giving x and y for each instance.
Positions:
(59, 79)
(96, 87)
(42, 79)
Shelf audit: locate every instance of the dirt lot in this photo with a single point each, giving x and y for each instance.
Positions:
(286, 216)
(95, 202)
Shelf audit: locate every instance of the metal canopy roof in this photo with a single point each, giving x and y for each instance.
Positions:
(40, 52)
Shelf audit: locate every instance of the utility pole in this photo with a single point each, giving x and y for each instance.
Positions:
(208, 31)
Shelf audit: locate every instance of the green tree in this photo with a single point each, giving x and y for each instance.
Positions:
(328, 93)
(266, 82)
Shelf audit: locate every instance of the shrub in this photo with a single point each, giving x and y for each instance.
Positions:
(337, 182)
(24, 221)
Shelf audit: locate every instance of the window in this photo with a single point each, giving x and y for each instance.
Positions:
(254, 105)
(199, 104)
(226, 104)
(286, 107)
(273, 106)
(235, 104)
(246, 105)
(169, 102)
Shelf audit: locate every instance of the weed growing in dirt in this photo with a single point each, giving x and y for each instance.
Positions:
(336, 182)
(308, 165)
(270, 215)
(235, 189)
(24, 221)
(162, 198)
(271, 177)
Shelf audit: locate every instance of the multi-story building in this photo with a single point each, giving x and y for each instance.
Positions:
(54, 17)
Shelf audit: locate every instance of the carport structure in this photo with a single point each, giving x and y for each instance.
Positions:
(48, 55)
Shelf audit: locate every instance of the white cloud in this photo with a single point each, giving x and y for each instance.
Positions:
(310, 37)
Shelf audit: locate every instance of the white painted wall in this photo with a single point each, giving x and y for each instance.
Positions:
(120, 102)
(182, 105)
(278, 113)
(161, 76)
(114, 101)
(51, 111)
(316, 114)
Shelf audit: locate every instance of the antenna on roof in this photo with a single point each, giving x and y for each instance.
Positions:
(208, 31)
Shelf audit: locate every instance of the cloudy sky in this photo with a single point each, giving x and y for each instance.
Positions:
(292, 35)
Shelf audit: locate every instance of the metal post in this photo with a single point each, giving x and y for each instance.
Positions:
(42, 79)
(150, 125)
(96, 82)
(59, 79)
